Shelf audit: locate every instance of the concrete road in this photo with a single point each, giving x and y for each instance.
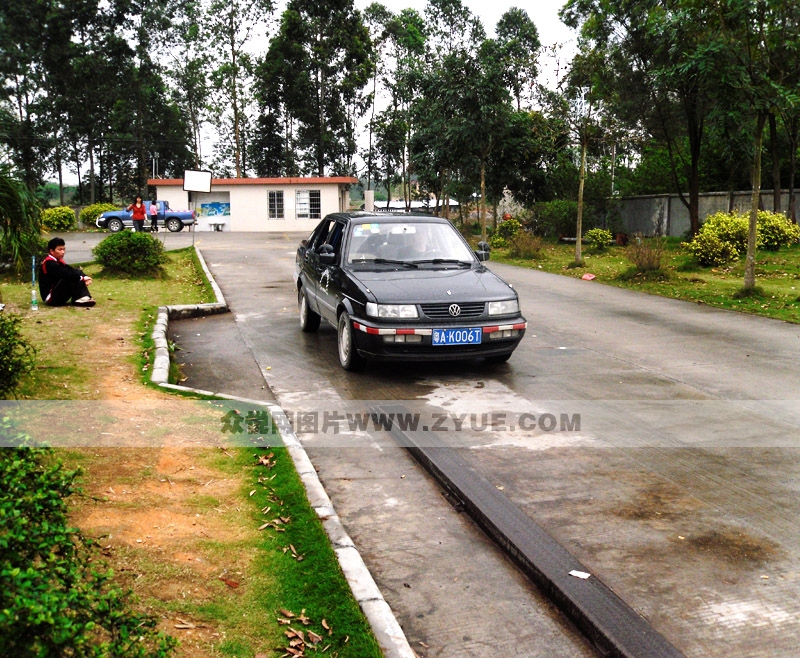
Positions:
(674, 479)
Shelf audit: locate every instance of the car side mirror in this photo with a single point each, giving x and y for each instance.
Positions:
(327, 256)
(483, 251)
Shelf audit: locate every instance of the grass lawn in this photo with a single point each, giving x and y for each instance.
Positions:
(777, 276)
(216, 541)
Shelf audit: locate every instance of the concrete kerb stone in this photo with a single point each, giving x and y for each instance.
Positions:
(384, 624)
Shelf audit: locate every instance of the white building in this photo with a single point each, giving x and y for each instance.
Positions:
(259, 204)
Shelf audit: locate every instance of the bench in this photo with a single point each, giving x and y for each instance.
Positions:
(216, 226)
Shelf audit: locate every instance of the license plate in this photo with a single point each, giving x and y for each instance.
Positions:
(457, 336)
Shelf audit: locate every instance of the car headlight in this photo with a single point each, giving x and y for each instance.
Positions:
(507, 307)
(392, 311)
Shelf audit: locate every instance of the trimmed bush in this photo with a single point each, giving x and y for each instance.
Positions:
(723, 236)
(709, 249)
(130, 252)
(775, 230)
(598, 238)
(509, 228)
(55, 599)
(16, 354)
(61, 218)
(497, 241)
(90, 214)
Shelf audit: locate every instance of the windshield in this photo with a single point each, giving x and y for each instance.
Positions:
(407, 242)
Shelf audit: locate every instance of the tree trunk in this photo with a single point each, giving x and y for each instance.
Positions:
(579, 223)
(695, 141)
(92, 192)
(750, 261)
(777, 206)
(792, 128)
(483, 199)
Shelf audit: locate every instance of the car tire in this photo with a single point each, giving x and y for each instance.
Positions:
(309, 321)
(349, 358)
(115, 225)
(174, 224)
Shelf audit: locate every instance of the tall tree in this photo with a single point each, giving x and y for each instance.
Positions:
(663, 57)
(758, 38)
(322, 59)
(229, 24)
(518, 46)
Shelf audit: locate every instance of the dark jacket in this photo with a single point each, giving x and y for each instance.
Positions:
(53, 271)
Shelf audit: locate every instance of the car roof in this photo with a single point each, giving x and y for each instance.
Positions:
(364, 216)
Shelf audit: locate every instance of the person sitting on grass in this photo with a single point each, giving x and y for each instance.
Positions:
(59, 283)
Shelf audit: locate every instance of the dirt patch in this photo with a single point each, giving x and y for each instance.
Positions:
(162, 515)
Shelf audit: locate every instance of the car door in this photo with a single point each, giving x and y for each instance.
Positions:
(328, 291)
(310, 268)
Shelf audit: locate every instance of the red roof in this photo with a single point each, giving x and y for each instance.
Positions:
(320, 180)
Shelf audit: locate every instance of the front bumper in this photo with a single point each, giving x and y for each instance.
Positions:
(393, 342)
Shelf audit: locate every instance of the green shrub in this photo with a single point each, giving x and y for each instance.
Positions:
(90, 214)
(728, 227)
(555, 218)
(775, 230)
(497, 241)
(509, 228)
(54, 598)
(598, 238)
(131, 253)
(16, 354)
(709, 249)
(60, 218)
(721, 238)
(525, 245)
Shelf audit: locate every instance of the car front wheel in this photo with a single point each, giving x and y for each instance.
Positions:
(348, 356)
(115, 225)
(174, 224)
(309, 321)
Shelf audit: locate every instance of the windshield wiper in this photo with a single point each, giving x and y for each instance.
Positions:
(445, 261)
(387, 261)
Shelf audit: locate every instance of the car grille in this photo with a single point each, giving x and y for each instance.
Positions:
(442, 311)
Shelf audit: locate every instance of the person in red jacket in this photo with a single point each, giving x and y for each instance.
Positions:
(59, 282)
(137, 209)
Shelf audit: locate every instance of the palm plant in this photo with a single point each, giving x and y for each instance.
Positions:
(20, 220)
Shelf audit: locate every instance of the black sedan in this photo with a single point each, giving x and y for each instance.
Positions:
(404, 288)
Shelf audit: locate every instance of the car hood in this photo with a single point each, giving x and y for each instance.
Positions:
(427, 285)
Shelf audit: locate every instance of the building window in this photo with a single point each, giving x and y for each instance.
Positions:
(308, 204)
(276, 205)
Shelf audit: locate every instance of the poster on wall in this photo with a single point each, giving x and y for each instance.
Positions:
(215, 209)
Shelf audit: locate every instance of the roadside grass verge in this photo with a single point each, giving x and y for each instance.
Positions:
(76, 346)
(217, 543)
(777, 276)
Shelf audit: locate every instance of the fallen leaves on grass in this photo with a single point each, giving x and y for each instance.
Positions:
(298, 640)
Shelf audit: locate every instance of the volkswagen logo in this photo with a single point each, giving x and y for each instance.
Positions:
(455, 310)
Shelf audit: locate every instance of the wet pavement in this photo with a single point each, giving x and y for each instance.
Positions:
(679, 490)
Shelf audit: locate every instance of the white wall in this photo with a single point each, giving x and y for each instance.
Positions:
(250, 205)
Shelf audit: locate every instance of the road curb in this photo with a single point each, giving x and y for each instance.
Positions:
(382, 621)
